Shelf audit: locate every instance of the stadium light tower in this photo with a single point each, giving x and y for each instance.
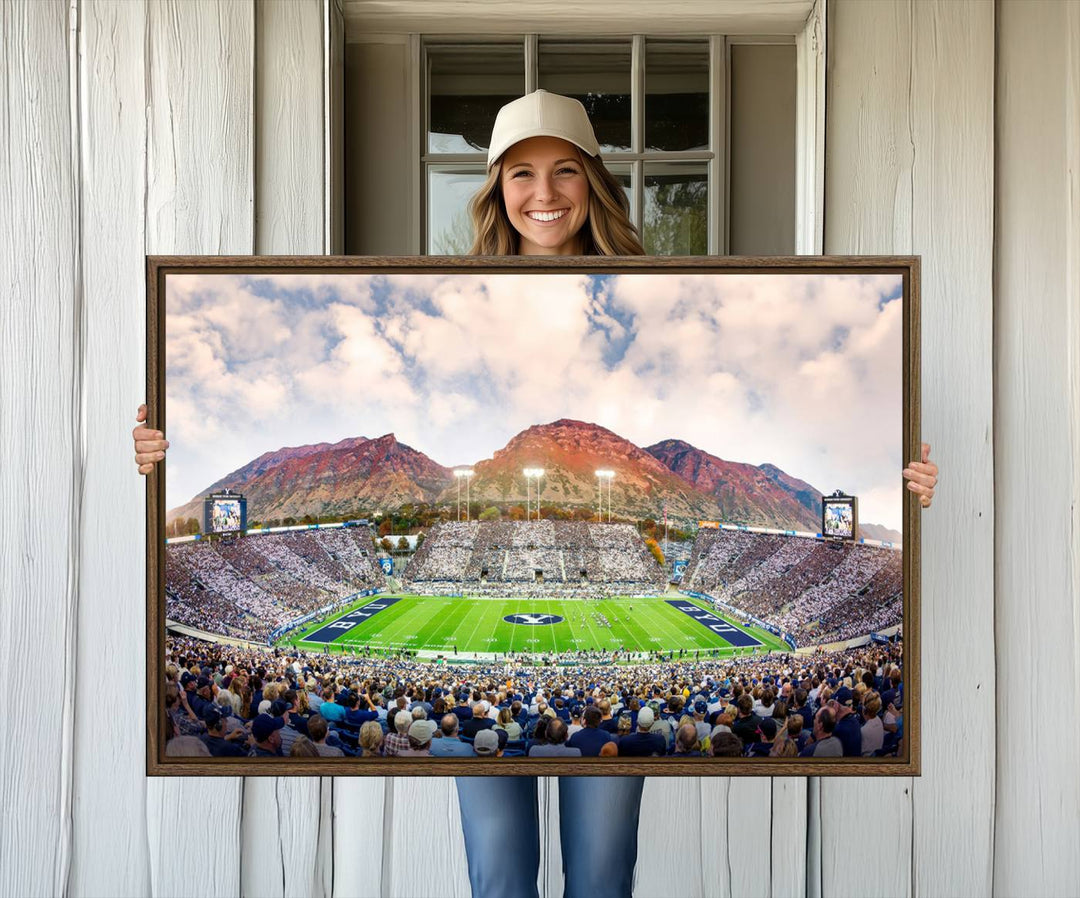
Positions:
(537, 473)
(466, 474)
(601, 476)
(530, 473)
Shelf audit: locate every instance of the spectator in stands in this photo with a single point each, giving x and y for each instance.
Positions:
(555, 746)
(873, 730)
(420, 733)
(303, 748)
(177, 746)
(317, 731)
(802, 704)
(463, 710)
(825, 744)
(892, 695)
(687, 743)
(644, 743)
(795, 731)
(575, 720)
(507, 723)
(371, 740)
(726, 745)
(314, 697)
(783, 747)
(486, 744)
(479, 721)
(747, 723)
(265, 731)
(334, 712)
(607, 722)
(180, 714)
(198, 693)
(723, 725)
(847, 729)
(397, 737)
(450, 745)
(701, 708)
(662, 725)
(216, 741)
(591, 738)
(766, 733)
(361, 710)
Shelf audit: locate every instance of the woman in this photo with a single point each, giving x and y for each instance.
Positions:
(547, 193)
(371, 740)
(505, 721)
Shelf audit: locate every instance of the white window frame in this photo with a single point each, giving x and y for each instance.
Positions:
(810, 126)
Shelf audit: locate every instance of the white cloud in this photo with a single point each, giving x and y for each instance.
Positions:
(801, 371)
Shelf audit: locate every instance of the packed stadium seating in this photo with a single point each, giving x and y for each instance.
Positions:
(819, 591)
(519, 558)
(864, 684)
(247, 586)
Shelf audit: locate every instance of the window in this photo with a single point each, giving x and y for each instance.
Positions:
(660, 108)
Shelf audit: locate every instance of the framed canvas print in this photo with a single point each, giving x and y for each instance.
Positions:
(596, 516)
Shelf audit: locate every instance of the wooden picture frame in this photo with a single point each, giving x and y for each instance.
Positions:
(829, 270)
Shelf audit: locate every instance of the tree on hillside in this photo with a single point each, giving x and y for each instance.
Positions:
(386, 545)
(491, 513)
(656, 551)
(403, 544)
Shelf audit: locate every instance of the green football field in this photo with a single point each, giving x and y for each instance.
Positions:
(475, 625)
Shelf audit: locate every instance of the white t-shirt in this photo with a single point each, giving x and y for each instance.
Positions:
(873, 736)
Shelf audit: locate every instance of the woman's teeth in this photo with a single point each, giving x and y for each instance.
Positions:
(546, 216)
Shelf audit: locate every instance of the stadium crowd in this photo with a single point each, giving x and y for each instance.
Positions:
(248, 586)
(226, 701)
(818, 591)
(516, 557)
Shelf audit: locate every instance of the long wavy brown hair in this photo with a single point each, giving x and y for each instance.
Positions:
(607, 231)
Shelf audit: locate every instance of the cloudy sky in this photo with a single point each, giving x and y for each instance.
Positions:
(801, 371)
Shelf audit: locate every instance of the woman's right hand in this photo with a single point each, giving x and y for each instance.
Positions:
(150, 445)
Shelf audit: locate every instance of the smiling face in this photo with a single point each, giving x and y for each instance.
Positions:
(546, 195)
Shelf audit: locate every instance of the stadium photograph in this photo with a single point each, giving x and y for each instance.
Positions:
(481, 517)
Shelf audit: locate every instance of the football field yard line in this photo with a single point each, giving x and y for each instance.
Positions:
(451, 625)
(476, 626)
(439, 629)
(399, 623)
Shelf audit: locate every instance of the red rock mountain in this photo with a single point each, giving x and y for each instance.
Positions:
(570, 452)
(763, 496)
(330, 479)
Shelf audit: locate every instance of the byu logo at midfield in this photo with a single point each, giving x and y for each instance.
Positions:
(533, 619)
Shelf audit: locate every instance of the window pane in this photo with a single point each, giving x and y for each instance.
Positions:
(597, 74)
(466, 87)
(449, 191)
(676, 209)
(623, 174)
(676, 95)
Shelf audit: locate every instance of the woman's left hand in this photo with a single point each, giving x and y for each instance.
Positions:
(922, 477)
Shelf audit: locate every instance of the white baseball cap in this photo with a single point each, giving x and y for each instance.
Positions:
(541, 114)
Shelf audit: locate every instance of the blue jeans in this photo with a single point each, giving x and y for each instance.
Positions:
(598, 820)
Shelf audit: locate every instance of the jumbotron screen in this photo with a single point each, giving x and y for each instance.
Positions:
(224, 512)
(839, 518)
(225, 515)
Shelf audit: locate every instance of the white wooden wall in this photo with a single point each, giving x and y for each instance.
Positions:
(200, 127)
